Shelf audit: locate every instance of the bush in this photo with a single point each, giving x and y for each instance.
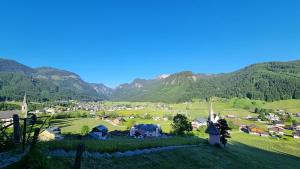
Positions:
(130, 123)
(181, 125)
(148, 116)
(85, 130)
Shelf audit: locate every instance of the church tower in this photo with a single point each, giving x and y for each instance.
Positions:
(212, 115)
(24, 106)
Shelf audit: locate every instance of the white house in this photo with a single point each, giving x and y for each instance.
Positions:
(297, 134)
(100, 132)
(230, 116)
(145, 130)
(52, 133)
(272, 117)
(6, 117)
(199, 122)
(276, 130)
(279, 123)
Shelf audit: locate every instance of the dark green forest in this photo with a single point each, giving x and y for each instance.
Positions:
(264, 81)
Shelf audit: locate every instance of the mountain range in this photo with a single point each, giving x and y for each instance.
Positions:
(266, 81)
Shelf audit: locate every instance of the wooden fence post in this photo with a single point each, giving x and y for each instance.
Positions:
(79, 152)
(24, 134)
(35, 138)
(17, 133)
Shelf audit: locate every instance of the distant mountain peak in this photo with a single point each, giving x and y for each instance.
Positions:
(163, 76)
(7, 65)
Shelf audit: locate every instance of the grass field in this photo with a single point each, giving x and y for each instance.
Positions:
(73, 125)
(243, 151)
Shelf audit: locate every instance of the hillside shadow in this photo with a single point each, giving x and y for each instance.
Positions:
(234, 155)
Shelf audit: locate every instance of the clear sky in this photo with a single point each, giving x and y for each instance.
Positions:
(113, 42)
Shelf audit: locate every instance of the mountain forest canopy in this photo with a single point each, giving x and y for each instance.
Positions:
(265, 81)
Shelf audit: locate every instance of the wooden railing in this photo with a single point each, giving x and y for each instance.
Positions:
(24, 136)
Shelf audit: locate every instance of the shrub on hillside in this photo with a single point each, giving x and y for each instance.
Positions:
(181, 125)
(85, 130)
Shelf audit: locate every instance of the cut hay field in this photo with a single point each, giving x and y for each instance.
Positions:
(73, 125)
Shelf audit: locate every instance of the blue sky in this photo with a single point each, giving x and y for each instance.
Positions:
(113, 42)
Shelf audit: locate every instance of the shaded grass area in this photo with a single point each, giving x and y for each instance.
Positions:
(237, 155)
(122, 143)
(203, 156)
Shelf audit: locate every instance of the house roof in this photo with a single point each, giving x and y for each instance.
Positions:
(53, 130)
(201, 120)
(275, 128)
(147, 127)
(100, 128)
(278, 122)
(120, 119)
(297, 133)
(252, 126)
(8, 114)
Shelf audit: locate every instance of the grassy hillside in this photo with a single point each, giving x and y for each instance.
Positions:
(243, 151)
(42, 84)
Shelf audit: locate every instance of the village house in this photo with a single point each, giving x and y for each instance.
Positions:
(119, 120)
(296, 134)
(50, 110)
(281, 112)
(255, 130)
(296, 126)
(102, 117)
(156, 118)
(278, 123)
(100, 132)
(248, 117)
(276, 130)
(272, 117)
(145, 130)
(199, 122)
(6, 117)
(230, 116)
(52, 133)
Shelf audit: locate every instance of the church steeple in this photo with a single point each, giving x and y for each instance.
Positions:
(211, 112)
(212, 115)
(25, 106)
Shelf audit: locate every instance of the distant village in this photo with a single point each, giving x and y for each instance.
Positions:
(261, 123)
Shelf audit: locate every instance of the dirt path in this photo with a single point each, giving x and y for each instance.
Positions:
(97, 155)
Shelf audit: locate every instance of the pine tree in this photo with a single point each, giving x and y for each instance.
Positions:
(224, 134)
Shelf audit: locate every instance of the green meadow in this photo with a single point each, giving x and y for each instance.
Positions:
(243, 151)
